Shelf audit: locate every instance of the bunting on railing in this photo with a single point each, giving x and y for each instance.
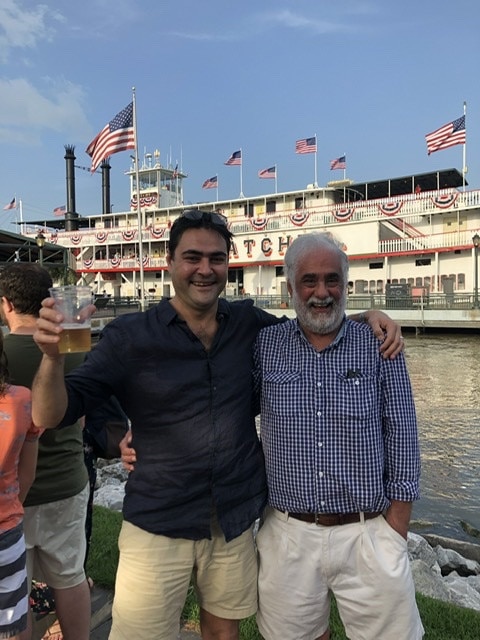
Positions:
(299, 218)
(444, 201)
(146, 200)
(157, 233)
(342, 215)
(88, 263)
(53, 239)
(129, 234)
(101, 236)
(115, 261)
(390, 208)
(146, 260)
(258, 224)
(76, 238)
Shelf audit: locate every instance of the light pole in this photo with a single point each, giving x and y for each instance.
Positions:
(40, 240)
(476, 243)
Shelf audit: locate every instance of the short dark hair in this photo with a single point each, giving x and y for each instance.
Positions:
(198, 219)
(25, 285)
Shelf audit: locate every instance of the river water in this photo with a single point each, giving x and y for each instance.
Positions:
(445, 375)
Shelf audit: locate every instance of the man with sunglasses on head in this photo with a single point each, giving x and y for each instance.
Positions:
(182, 371)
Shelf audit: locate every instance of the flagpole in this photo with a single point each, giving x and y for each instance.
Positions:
(216, 188)
(20, 209)
(464, 168)
(345, 167)
(139, 210)
(315, 184)
(241, 174)
(275, 178)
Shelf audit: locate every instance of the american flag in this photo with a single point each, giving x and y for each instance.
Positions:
(60, 211)
(235, 158)
(268, 173)
(175, 171)
(11, 205)
(306, 145)
(447, 136)
(338, 163)
(117, 135)
(211, 183)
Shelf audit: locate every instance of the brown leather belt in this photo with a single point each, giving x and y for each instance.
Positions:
(333, 519)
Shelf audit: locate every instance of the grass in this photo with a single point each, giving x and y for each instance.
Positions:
(442, 621)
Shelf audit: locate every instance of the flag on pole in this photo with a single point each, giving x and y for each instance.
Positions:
(268, 173)
(447, 136)
(175, 171)
(306, 145)
(117, 135)
(338, 163)
(211, 183)
(235, 158)
(11, 205)
(60, 211)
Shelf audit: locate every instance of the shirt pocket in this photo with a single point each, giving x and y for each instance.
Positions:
(356, 398)
(282, 392)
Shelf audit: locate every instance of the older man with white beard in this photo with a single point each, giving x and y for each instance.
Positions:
(339, 434)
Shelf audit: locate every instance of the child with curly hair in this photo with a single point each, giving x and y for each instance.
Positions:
(18, 459)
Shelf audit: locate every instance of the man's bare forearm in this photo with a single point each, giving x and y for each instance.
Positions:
(49, 395)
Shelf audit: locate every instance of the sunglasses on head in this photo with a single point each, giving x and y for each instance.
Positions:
(207, 216)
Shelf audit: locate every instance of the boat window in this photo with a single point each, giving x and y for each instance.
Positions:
(271, 206)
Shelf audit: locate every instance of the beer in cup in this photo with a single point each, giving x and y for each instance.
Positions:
(73, 302)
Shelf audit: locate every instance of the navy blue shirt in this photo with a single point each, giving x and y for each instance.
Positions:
(192, 416)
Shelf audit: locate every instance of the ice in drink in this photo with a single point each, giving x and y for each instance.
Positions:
(75, 338)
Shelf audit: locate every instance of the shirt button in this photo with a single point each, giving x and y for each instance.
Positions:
(320, 444)
(322, 503)
(319, 384)
(319, 413)
(320, 475)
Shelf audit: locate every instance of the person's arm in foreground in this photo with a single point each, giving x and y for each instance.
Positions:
(27, 465)
(385, 329)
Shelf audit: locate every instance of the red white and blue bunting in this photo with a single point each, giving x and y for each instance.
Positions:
(53, 239)
(87, 263)
(445, 201)
(129, 235)
(101, 236)
(146, 200)
(258, 224)
(157, 233)
(115, 261)
(299, 218)
(342, 215)
(76, 238)
(390, 208)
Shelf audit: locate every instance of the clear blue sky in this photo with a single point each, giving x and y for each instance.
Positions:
(369, 78)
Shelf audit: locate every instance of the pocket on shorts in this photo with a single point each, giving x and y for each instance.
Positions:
(396, 537)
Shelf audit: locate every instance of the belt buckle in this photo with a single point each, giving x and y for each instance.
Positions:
(318, 524)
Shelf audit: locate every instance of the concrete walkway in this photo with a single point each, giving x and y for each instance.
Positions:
(101, 619)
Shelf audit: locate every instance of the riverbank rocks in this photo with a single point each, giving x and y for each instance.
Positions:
(444, 569)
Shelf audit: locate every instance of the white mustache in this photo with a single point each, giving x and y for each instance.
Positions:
(324, 302)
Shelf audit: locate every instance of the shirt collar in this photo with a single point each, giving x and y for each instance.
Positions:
(167, 313)
(340, 335)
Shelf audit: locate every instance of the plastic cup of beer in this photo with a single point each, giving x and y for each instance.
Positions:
(72, 302)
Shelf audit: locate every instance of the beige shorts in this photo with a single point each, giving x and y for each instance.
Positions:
(56, 542)
(365, 565)
(154, 575)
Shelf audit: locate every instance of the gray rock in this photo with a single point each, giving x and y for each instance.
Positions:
(461, 592)
(450, 560)
(419, 549)
(429, 583)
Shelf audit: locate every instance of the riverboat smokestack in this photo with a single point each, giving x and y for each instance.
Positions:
(71, 216)
(106, 206)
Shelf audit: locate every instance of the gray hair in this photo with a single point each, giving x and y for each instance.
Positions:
(308, 242)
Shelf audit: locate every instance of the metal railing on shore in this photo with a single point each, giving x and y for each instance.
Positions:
(118, 306)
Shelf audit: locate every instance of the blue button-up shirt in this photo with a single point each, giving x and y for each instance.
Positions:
(338, 426)
(192, 417)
